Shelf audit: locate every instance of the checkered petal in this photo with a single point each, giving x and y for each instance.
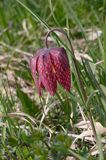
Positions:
(33, 66)
(61, 67)
(46, 74)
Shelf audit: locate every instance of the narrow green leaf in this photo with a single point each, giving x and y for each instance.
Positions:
(34, 15)
(28, 106)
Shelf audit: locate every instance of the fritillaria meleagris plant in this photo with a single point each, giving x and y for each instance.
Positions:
(50, 66)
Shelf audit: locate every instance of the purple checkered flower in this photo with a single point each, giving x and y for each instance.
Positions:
(50, 66)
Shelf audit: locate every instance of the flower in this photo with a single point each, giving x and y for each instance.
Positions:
(49, 66)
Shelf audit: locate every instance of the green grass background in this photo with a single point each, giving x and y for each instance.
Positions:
(26, 131)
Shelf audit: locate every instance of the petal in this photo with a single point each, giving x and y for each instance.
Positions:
(34, 65)
(46, 74)
(62, 68)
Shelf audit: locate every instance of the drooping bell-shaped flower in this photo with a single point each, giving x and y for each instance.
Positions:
(50, 66)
